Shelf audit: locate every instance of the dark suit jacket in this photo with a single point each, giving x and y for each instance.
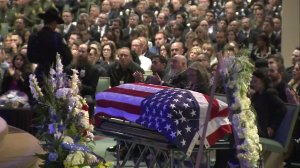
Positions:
(246, 41)
(125, 33)
(66, 35)
(179, 81)
(117, 74)
(149, 54)
(95, 33)
(88, 76)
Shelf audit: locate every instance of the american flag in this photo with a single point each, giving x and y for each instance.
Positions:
(176, 113)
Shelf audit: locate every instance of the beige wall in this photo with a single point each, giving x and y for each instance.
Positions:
(290, 28)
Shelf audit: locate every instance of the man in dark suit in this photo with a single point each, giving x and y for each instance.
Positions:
(132, 23)
(67, 27)
(247, 35)
(106, 8)
(99, 29)
(49, 44)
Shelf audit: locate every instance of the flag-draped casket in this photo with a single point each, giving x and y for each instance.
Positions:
(177, 114)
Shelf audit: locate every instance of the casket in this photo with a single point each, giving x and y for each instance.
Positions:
(159, 118)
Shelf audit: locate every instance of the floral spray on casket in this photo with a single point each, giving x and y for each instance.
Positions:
(237, 73)
(64, 128)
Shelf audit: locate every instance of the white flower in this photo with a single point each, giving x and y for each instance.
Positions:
(63, 93)
(59, 65)
(34, 87)
(75, 81)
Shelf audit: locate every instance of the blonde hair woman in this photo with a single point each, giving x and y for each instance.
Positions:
(193, 53)
(209, 50)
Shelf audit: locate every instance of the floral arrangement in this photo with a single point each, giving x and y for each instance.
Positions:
(237, 72)
(66, 131)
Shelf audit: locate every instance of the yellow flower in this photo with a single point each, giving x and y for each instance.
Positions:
(75, 158)
(104, 165)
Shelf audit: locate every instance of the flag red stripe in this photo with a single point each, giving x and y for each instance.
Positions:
(215, 107)
(129, 92)
(119, 105)
(223, 113)
(218, 134)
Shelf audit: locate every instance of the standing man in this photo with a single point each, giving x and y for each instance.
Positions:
(44, 46)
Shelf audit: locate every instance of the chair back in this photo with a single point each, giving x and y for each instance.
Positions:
(147, 73)
(103, 84)
(286, 128)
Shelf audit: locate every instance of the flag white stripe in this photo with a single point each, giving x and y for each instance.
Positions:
(117, 97)
(203, 104)
(117, 113)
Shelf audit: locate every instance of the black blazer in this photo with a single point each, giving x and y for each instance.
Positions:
(89, 78)
(51, 43)
(66, 35)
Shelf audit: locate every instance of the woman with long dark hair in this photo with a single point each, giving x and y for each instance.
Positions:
(17, 75)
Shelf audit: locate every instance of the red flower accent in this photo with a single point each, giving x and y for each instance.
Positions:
(84, 133)
(85, 107)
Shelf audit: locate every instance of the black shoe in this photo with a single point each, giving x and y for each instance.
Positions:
(112, 149)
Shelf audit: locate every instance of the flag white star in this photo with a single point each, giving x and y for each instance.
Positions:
(176, 122)
(168, 127)
(188, 129)
(180, 112)
(183, 142)
(158, 104)
(153, 111)
(186, 105)
(147, 110)
(157, 125)
(151, 104)
(180, 96)
(150, 118)
(176, 100)
(183, 119)
(173, 134)
(161, 113)
(169, 115)
(165, 107)
(193, 113)
(172, 106)
(149, 124)
(178, 132)
(189, 99)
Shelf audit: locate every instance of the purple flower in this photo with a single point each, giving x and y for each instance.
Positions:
(51, 128)
(52, 156)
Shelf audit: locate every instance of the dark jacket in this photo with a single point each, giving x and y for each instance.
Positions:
(270, 111)
(50, 43)
(117, 74)
(88, 75)
(179, 81)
